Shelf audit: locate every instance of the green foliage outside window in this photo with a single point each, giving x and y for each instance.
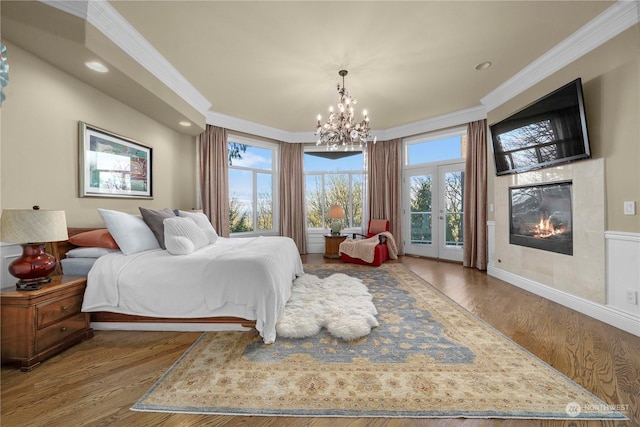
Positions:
(235, 151)
(251, 209)
(421, 215)
(340, 189)
(239, 219)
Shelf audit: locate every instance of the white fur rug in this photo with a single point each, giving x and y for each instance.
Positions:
(340, 303)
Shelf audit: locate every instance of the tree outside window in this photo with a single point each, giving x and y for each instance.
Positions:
(454, 208)
(251, 186)
(333, 179)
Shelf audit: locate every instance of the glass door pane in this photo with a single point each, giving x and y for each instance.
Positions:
(421, 214)
(454, 187)
(419, 217)
(452, 211)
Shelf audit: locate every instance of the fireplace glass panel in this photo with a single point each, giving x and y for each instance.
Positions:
(541, 217)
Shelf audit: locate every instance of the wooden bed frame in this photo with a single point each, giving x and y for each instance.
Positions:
(60, 249)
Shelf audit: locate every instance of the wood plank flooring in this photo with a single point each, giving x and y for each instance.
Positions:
(96, 382)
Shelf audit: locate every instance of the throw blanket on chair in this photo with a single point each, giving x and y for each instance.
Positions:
(365, 249)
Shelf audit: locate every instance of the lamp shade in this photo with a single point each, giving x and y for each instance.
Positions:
(336, 212)
(33, 226)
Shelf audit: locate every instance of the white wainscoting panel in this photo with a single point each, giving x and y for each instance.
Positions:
(315, 238)
(491, 243)
(8, 253)
(623, 271)
(315, 241)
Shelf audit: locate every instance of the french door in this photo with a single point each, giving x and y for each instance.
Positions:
(433, 211)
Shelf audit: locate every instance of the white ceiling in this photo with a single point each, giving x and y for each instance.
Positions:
(276, 63)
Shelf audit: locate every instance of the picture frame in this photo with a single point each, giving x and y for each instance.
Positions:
(112, 165)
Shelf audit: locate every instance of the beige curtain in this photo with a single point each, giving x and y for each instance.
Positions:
(384, 174)
(475, 197)
(214, 177)
(292, 196)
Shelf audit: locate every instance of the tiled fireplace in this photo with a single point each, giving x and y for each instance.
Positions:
(582, 273)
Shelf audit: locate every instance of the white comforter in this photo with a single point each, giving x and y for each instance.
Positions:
(249, 278)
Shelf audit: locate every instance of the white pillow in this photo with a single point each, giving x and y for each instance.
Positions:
(182, 236)
(203, 222)
(130, 232)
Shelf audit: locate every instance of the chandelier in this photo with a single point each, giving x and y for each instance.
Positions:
(340, 131)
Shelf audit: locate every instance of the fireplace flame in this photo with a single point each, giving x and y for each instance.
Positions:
(546, 228)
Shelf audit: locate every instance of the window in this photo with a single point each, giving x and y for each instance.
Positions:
(436, 147)
(252, 186)
(333, 178)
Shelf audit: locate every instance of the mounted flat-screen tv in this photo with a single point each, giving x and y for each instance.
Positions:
(550, 131)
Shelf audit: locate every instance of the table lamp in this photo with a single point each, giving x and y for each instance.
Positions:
(336, 214)
(32, 228)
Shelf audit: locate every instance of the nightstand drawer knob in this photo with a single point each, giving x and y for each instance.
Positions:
(63, 329)
(65, 308)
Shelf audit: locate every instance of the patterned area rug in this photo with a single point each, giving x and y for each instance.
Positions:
(428, 358)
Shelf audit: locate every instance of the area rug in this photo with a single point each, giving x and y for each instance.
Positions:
(428, 358)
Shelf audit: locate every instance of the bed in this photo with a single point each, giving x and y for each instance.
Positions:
(244, 282)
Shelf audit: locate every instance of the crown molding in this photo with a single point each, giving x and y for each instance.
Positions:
(107, 20)
(246, 126)
(617, 18)
(72, 7)
(435, 123)
(99, 13)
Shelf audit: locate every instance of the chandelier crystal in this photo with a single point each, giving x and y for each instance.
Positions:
(340, 131)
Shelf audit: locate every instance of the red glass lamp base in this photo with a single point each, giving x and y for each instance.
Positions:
(33, 267)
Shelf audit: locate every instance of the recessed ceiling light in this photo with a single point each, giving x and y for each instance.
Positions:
(185, 123)
(483, 65)
(96, 66)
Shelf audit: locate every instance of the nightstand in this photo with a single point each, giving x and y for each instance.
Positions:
(39, 324)
(332, 245)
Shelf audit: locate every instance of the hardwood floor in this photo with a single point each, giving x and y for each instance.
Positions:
(96, 382)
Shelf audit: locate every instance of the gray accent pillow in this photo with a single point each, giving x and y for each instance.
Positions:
(154, 219)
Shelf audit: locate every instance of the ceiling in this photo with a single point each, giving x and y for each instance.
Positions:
(276, 64)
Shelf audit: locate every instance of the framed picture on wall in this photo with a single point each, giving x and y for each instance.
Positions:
(111, 165)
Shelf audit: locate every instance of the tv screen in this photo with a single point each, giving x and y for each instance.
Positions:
(550, 131)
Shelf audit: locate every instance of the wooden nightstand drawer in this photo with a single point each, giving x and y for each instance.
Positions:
(53, 311)
(59, 331)
(37, 324)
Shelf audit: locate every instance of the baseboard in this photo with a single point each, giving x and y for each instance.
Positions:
(612, 316)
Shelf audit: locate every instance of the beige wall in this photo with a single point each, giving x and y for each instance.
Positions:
(39, 151)
(611, 83)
